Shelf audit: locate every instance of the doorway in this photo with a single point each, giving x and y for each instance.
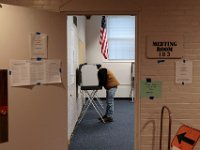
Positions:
(85, 54)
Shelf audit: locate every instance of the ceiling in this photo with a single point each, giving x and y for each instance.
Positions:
(81, 7)
(53, 5)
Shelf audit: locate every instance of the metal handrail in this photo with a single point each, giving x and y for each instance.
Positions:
(161, 126)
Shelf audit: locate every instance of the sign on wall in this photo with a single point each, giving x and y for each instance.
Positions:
(38, 45)
(184, 72)
(161, 46)
(185, 138)
(150, 89)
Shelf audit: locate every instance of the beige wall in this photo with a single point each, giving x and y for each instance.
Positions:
(168, 17)
(37, 115)
(183, 100)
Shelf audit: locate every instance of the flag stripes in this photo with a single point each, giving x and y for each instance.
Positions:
(103, 38)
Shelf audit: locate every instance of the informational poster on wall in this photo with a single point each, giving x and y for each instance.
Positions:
(184, 72)
(150, 89)
(164, 46)
(32, 72)
(38, 45)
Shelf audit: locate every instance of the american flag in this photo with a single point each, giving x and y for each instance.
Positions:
(103, 38)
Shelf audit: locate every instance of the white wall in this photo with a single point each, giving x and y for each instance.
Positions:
(122, 70)
(81, 28)
(37, 115)
(76, 42)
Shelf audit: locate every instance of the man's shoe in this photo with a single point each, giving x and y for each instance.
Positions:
(102, 117)
(108, 119)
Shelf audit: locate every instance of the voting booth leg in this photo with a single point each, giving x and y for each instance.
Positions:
(92, 97)
(90, 101)
(132, 96)
(99, 101)
(85, 108)
(97, 104)
(98, 112)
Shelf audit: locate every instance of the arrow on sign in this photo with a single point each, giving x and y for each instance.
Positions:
(181, 137)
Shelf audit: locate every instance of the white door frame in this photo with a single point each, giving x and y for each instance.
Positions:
(137, 137)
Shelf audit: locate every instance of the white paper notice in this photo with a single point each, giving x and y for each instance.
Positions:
(20, 72)
(26, 72)
(184, 72)
(52, 69)
(37, 72)
(38, 45)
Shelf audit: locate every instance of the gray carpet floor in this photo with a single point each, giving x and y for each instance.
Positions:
(91, 134)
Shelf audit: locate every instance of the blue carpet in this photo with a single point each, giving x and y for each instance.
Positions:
(91, 134)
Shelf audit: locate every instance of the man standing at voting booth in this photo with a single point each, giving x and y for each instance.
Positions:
(110, 83)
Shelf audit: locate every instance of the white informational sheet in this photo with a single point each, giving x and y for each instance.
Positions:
(20, 72)
(37, 72)
(52, 71)
(38, 45)
(184, 72)
(25, 72)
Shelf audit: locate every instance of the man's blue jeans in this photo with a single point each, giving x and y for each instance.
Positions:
(110, 94)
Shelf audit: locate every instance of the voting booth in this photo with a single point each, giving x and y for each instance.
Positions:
(89, 85)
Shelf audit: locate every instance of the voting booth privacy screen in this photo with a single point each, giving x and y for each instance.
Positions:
(89, 75)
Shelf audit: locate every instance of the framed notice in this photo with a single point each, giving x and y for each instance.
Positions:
(38, 45)
(164, 47)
